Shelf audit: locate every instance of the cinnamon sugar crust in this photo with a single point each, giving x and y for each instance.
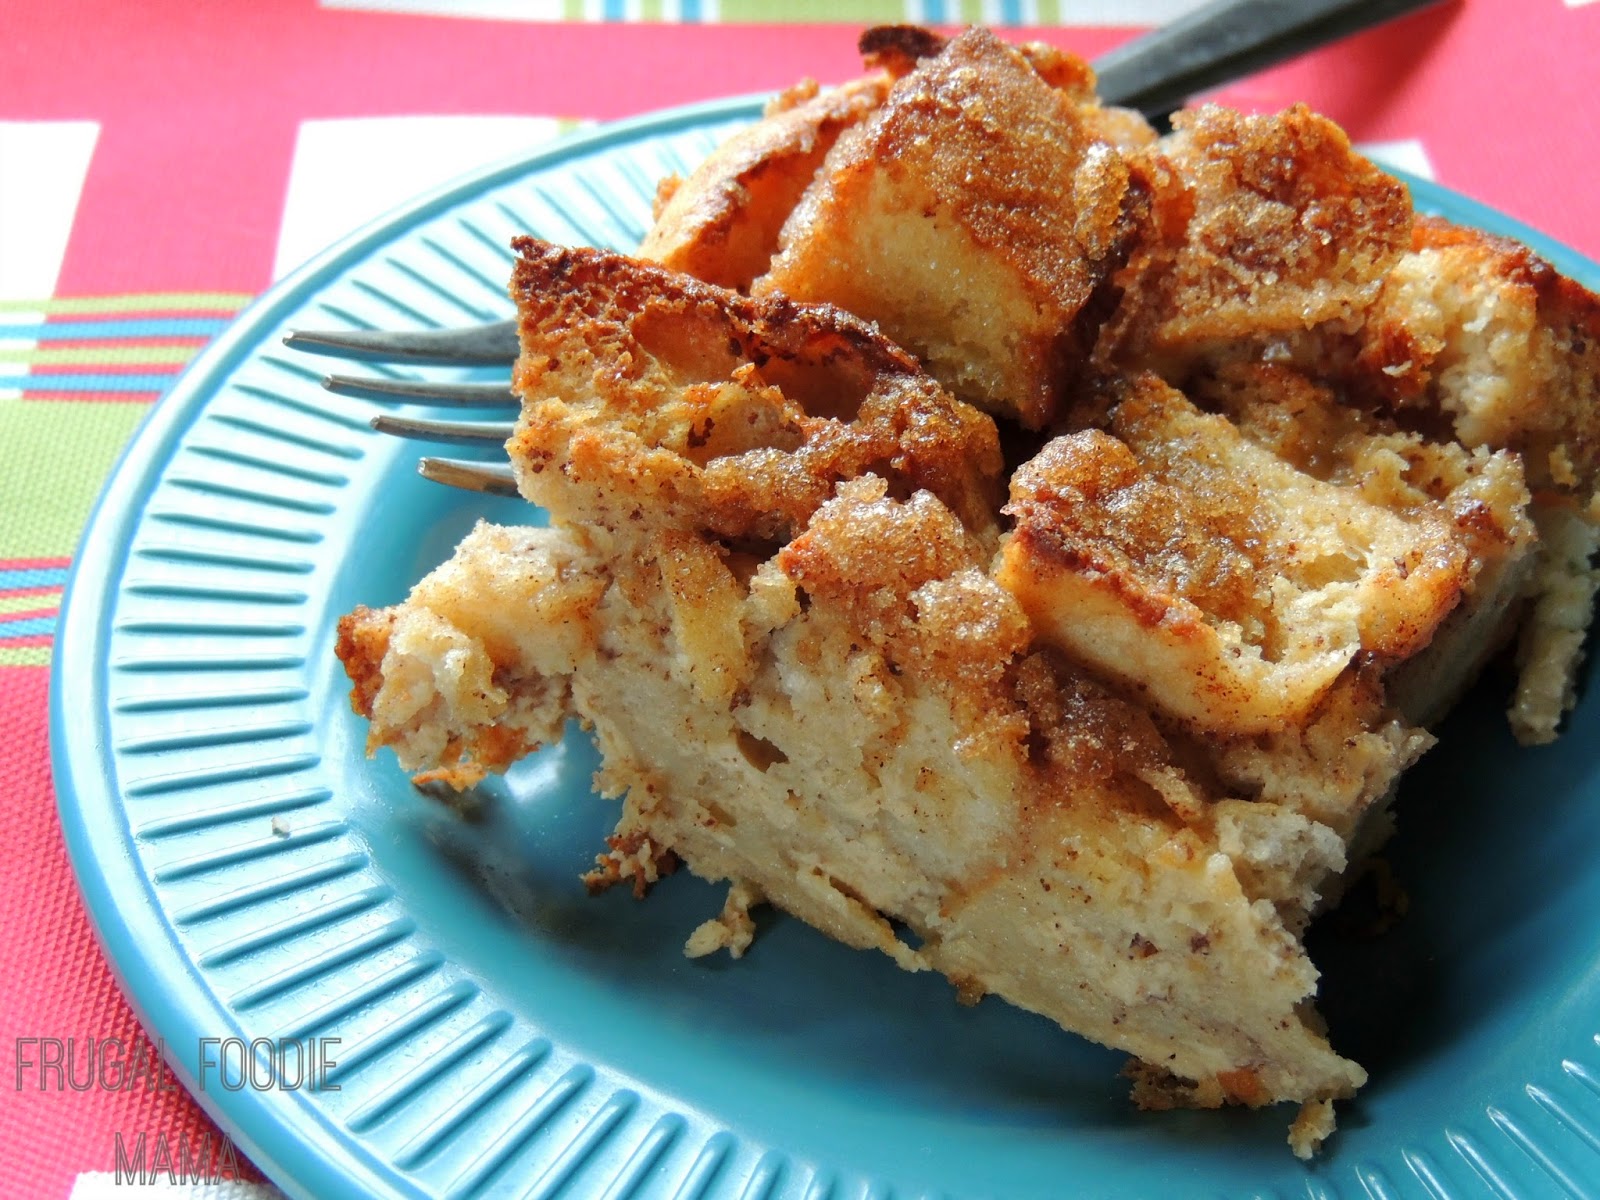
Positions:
(975, 171)
(652, 399)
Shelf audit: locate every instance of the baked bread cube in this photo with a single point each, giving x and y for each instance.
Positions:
(1486, 334)
(1484, 495)
(653, 400)
(1291, 231)
(977, 217)
(1225, 585)
(721, 224)
(1481, 344)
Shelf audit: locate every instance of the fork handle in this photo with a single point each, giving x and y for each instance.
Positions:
(1226, 40)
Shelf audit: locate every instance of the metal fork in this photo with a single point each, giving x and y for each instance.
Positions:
(453, 347)
(1222, 41)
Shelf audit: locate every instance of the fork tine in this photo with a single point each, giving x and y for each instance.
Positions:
(495, 343)
(421, 391)
(494, 478)
(444, 431)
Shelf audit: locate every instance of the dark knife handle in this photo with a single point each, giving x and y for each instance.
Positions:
(1227, 40)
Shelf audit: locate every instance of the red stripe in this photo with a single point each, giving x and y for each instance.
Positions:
(56, 395)
(24, 643)
(32, 564)
(28, 614)
(43, 371)
(192, 340)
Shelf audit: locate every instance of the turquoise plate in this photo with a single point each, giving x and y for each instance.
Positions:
(496, 1032)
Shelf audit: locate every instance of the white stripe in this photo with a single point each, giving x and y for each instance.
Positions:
(42, 168)
(346, 173)
(1408, 154)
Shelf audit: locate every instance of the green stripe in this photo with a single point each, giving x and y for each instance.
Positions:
(1049, 12)
(98, 355)
(146, 302)
(24, 656)
(18, 604)
(824, 10)
(58, 453)
(650, 10)
(572, 10)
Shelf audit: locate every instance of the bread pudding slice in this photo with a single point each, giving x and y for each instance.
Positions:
(774, 603)
(1103, 753)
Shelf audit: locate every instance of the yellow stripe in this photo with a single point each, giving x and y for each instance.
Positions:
(39, 600)
(98, 355)
(145, 302)
(24, 656)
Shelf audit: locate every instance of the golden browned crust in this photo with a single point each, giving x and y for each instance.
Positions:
(898, 49)
(363, 640)
(1517, 264)
(721, 224)
(1490, 337)
(653, 399)
(911, 578)
(1291, 230)
(1065, 72)
(1228, 586)
(976, 216)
